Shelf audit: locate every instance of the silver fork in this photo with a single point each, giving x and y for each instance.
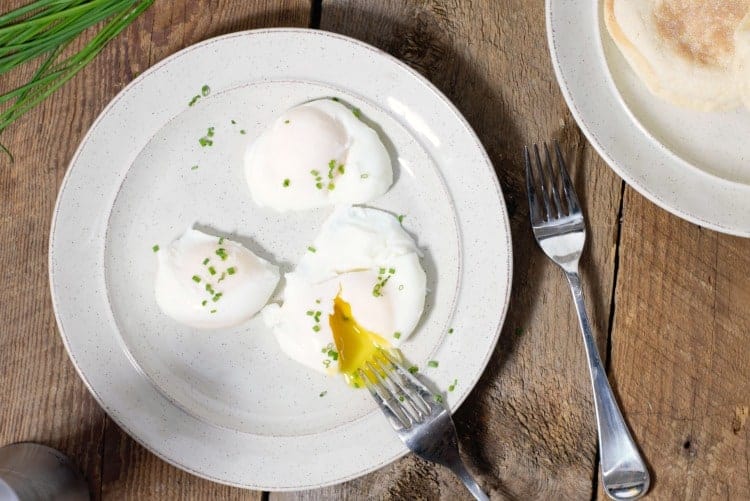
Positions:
(421, 421)
(560, 231)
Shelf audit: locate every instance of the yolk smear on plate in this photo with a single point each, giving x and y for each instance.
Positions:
(355, 344)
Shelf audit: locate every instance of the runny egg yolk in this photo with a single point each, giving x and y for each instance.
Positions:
(355, 344)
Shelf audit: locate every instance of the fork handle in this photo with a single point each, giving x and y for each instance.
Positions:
(624, 473)
(459, 468)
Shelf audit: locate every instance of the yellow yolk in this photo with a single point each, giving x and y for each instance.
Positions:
(355, 344)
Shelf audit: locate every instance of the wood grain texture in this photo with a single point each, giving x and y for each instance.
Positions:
(41, 397)
(527, 430)
(680, 352)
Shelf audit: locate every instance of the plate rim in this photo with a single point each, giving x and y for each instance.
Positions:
(573, 96)
(504, 217)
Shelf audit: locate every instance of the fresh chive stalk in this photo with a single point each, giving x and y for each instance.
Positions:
(44, 28)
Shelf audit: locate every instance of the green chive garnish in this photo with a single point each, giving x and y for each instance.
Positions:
(242, 131)
(210, 132)
(216, 297)
(212, 270)
(213, 311)
(203, 303)
(439, 399)
(401, 218)
(205, 90)
(286, 182)
(341, 168)
(391, 270)
(312, 249)
(365, 175)
(413, 369)
(323, 394)
(194, 167)
(221, 240)
(450, 331)
(316, 328)
(286, 121)
(194, 100)
(234, 123)
(453, 385)
(432, 363)
(309, 313)
(231, 270)
(155, 248)
(397, 335)
(205, 262)
(319, 186)
(222, 253)
(335, 99)
(356, 112)
(196, 279)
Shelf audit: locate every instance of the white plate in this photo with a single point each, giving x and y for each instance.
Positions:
(695, 165)
(228, 405)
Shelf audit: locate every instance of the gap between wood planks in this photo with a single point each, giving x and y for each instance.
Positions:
(610, 325)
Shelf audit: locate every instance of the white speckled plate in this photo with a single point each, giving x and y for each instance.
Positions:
(695, 165)
(228, 405)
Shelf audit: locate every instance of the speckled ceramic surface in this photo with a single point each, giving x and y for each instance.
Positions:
(228, 405)
(695, 165)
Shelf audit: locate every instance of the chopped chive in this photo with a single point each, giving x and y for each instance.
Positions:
(316, 328)
(314, 172)
(432, 363)
(155, 248)
(286, 182)
(194, 100)
(400, 398)
(221, 240)
(209, 288)
(286, 121)
(413, 369)
(331, 186)
(205, 90)
(203, 303)
(335, 99)
(204, 141)
(391, 270)
(317, 301)
(356, 385)
(212, 270)
(205, 261)
(242, 131)
(356, 112)
(401, 218)
(382, 271)
(234, 123)
(312, 249)
(309, 313)
(332, 164)
(210, 132)
(222, 253)
(439, 399)
(213, 311)
(450, 331)
(319, 186)
(365, 175)
(333, 355)
(323, 394)
(217, 296)
(453, 385)
(397, 335)
(194, 167)
(341, 168)
(231, 270)
(196, 279)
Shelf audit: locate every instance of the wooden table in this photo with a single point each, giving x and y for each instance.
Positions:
(670, 300)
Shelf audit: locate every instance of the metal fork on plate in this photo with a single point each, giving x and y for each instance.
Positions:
(421, 421)
(560, 231)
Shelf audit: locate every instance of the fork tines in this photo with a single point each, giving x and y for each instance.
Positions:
(548, 178)
(401, 396)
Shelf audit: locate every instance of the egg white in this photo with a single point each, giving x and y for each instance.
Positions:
(355, 250)
(243, 281)
(314, 155)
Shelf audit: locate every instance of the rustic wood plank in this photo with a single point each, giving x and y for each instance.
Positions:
(41, 397)
(528, 428)
(680, 352)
